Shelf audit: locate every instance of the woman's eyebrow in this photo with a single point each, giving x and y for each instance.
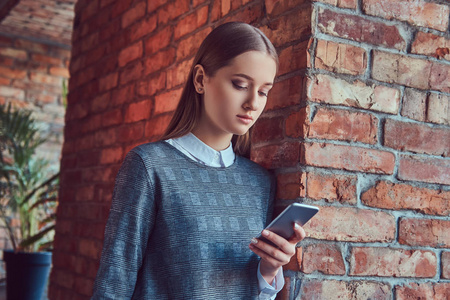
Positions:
(251, 79)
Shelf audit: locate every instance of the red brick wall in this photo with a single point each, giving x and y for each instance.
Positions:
(359, 102)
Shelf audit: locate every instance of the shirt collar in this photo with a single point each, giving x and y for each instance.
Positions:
(205, 153)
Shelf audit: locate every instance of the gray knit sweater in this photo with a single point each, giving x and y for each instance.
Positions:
(180, 230)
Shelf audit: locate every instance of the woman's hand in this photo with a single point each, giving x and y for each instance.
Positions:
(272, 258)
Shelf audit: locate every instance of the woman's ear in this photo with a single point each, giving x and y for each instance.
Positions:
(199, 78)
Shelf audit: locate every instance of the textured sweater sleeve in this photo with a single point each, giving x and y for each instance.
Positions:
(130, 222)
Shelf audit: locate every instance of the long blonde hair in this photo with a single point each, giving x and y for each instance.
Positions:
(217, 50)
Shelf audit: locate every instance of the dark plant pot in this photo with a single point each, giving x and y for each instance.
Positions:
(26, 274)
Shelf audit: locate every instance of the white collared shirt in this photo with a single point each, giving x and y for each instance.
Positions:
(198, 151)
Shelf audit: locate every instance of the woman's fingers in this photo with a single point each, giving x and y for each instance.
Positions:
(272, 255)
(299, 234)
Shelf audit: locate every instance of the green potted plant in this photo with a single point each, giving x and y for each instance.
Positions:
(28, 193)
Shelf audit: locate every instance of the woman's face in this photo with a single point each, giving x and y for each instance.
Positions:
(235, 96)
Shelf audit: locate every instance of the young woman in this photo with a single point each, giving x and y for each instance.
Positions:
(186, 210)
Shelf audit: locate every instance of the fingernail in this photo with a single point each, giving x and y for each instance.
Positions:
(265, 232)
(254, 241)
(297, 226)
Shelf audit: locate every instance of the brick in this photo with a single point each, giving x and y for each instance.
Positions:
(433, 170)
(285, 154)
(105, 137)
(131, 73)
(389, 262)
(57, 71)
(138, 111)
(431, 45)
(13, 73)
(324, 258)
(167, 102)
(340, 58)
(122, 95)
(5, 81)
(191, 22)
(112, 117)
(359, 29)
(84, 193)
(152, 85)
(156, 126)
(291, 185)
(331, 187)
(414, 104)
(394, 196)
(108, 82)
(172, 10)
(111, 155)
(439, 77)
(296, 123)
(159, 40)
(291, 27)
(351, 225)
(348, 158)
(14, 53)
(84, 286)
(355, 290)
(445, 265)
(327, 89)
(133, 14)
(142, 28)
(267, 129)
(285, 93)
(400, 69)
(177, 75)
(45, 79)
(130, 133)
(293, 58)
(419, 13)
(188, 47)
(344, 125)
(6, 91)
(438, 109)
(130, 53)
(424, 232)
(426, 290)
(249, 14)
(90, 248)
(158, 61)
(45, 59)
(225, 7)
(152, 5)
(276, 7)
(418, 138)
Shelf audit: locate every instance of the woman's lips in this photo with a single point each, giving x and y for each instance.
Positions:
(245, 119)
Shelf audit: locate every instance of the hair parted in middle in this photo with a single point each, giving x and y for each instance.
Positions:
(218, 49)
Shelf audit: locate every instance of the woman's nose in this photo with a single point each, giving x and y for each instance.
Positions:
(252, 101)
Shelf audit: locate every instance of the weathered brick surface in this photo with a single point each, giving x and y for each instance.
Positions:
(438, 109)
(410, 71)
(359, 29)
(340, 58)
(421, 13)
(435, 291)
(286, 154)
(431, 45)
(338, 224)
(348, 158)
(416, 138)
(402, 196)
(327, 89)
(433, 170)
(324, 258)
(354, 290)
(388, 262)
(414, 104)
(331, 187)
(291, 185)
(344, 125)
(424, 232)
(445, 265)
(285, 93)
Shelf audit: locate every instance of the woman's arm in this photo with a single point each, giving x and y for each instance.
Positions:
(129, 224)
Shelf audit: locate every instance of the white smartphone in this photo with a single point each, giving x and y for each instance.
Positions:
(284, 223)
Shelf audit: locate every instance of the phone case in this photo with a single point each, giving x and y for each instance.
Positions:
(283, 224)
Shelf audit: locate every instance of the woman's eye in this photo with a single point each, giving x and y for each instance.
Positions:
(263, 94)
(239, 86)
